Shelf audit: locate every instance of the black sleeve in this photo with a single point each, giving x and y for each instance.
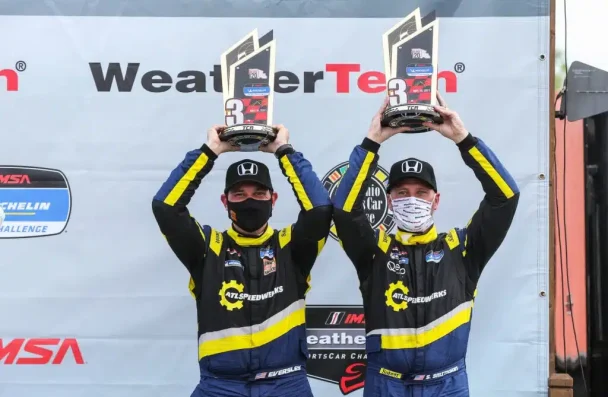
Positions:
(310, 231)
(357, 237)
(489, 225)
(186, 237)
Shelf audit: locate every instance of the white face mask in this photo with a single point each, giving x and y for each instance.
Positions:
(413, 214)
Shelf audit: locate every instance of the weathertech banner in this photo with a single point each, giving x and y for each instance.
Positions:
(102, 102)
(336, 345)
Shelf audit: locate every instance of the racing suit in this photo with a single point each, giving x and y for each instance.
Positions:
(418, 289)
(249, 291)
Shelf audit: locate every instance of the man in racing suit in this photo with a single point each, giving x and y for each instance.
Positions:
(418, 285)
(249, 281)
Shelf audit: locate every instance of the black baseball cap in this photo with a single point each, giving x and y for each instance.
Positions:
(411, 168)
(247, 171)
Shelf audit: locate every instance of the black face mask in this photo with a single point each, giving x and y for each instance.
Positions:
(251, 214)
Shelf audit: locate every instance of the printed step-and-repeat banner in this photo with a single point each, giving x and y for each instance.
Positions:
(100, 101)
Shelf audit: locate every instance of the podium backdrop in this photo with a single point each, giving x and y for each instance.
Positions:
(99, 307)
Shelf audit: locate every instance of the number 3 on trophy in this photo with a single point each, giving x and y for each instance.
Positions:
(234, 112)
(397, 92)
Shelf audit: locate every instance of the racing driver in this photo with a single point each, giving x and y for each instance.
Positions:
(249, 281)
(418, 285)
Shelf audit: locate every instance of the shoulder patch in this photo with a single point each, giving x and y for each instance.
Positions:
(285, 236)
(384, 240)
(215, 241)
(452, 239)
(463, 235)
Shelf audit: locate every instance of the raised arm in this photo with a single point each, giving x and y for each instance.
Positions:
(356, 235)
(185, 235)
(490, 223)
(309, 232)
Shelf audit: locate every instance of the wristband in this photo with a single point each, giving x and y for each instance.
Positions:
(284, 149)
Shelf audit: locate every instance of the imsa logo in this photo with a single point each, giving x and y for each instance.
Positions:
(36, 202)
(375, 203)
(336, 345)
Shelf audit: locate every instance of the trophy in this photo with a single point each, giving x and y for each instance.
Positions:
(248, 90)
(410, 64)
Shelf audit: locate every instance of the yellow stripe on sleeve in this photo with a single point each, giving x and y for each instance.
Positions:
(354, 191)
(181, 186)
(491, 171)
(296, 183)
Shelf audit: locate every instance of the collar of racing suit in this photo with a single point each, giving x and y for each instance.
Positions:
(247, 241)
(407, 238)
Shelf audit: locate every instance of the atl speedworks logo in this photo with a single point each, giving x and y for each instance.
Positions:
(397, 296)
(10, 77)
(124, 77)
(232, 295)
(375, 202)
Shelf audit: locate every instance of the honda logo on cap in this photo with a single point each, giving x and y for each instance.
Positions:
(411, 166)
(247, 169)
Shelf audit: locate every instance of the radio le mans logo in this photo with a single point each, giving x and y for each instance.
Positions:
(336, 345)
(37, 202)
(375, 202)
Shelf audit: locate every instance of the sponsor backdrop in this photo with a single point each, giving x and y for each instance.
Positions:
(99, 101)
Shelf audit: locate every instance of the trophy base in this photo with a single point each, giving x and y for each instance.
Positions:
(412, 116)
(248, 137)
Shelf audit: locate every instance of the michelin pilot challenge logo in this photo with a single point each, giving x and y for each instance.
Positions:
(35, 201)
(375, 202)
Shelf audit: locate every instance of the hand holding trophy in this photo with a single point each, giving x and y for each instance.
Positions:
(410, 62)
(248, 90)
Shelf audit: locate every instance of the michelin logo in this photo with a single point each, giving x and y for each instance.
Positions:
(261, 90)
(233, 263)
(36, 202)
(414, 70)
